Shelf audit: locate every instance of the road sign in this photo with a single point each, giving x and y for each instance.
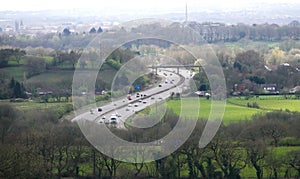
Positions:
(137, 87)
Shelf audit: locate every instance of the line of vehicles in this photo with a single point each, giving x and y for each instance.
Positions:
(134, 102)
(113, 119)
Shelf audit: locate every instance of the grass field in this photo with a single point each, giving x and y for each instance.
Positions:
(236, 108)
(29, 105)
(232, 112)
(244, 44)
(49, 79)
(269, 102)
(17, 72)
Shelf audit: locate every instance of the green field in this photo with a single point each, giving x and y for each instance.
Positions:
(17, 72)
(236, 109)
(232, 112)
(269, 102)
(47, 79)
(29, 105)
(249, 44)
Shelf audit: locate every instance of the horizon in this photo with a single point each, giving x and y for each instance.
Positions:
(154, 6)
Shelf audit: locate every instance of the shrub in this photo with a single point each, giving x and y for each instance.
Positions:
(289, 141)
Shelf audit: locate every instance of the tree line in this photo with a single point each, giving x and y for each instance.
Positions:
(212, 32)
(33, 144)
(216, 32)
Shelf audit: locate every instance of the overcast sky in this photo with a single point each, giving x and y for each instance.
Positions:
(157, 5)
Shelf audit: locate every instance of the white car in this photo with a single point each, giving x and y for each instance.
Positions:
(113, 119)
(118, 114)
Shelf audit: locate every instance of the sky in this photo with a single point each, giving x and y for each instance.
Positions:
(163, 5)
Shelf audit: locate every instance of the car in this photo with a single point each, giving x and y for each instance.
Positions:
(118, 114)
(127, 109)
(106, 121)
(101, 121)
(159, 97)
(159, 85)
(113, 119)
(207, 94)
(115, 104)
(91, 111)
(136, 104)
(129, 105)
(99, 109)
(144, 102)
(140, 101)
(152, 97)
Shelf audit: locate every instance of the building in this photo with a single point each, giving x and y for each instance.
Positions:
(269, 88)
(41, 91)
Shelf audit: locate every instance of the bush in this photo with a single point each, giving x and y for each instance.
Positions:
(102, 97)
(255, 105)
(289, 141)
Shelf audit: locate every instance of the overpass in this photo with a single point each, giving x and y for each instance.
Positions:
(174, 66)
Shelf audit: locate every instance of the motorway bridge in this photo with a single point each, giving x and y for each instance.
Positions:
(155, 67)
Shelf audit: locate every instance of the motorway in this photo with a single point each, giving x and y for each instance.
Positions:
(123, 108)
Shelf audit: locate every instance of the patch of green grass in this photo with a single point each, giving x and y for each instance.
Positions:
(248, 43)
(283, 150)
(49, 79)
(269, 102)
(48, 59)
(232, 112)
(15, 71)
(29, 105)
(52, 77)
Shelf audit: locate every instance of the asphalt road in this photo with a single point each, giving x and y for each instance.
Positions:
(124, 108)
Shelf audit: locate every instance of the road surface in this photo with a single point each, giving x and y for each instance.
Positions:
(124, 108)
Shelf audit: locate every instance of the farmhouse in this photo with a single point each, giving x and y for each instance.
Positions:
(41, 91)
(269, 88)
